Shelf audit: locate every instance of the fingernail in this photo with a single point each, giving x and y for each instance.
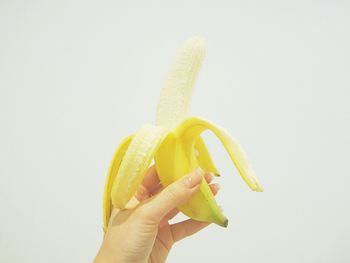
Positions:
(209, 176)
(217, 187)
(194, 178)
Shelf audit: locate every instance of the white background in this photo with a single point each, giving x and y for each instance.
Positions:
(77, 76)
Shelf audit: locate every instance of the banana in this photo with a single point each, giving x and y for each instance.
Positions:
(112, 173)
(176, 146)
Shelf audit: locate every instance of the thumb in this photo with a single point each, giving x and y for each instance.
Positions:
(173, 196)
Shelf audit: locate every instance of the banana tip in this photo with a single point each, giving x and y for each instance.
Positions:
(225, 224)
(197, 40)
(222, 223)
(260, 189)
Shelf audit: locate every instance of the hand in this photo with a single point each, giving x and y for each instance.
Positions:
(141, 233)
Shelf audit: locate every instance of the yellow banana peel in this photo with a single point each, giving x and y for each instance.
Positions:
(176, 145)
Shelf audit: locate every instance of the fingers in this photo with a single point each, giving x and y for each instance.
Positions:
(213, 187)
(209, 177)
(149, 184)
(172, 196)
(142, 193)
(151, 179)
(186, 228)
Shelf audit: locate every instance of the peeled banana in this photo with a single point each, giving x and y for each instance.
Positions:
(175, 144)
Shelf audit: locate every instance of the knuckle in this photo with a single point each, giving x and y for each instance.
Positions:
(174, 192)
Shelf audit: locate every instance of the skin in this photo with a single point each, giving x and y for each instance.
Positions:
(142, 233)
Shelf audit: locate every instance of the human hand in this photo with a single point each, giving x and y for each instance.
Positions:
(141, 233)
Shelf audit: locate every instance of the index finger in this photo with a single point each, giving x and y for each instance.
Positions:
(151, 180)
(149, 184)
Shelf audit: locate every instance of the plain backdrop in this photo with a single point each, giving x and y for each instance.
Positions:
(77, 76)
